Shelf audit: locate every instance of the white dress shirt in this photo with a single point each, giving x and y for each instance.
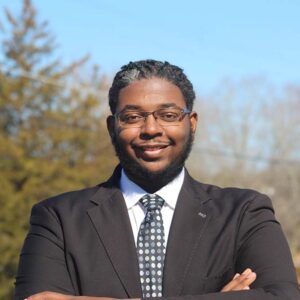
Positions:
(133, 193)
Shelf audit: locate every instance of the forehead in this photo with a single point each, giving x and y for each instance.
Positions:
(150, 94)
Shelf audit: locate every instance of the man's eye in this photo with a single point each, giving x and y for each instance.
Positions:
(169, 116)
(131, 117)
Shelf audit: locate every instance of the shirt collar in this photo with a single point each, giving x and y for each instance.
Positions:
(133, 193)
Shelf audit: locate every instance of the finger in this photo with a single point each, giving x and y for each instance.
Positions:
(229, 286)
(240, 281)
(244, 281)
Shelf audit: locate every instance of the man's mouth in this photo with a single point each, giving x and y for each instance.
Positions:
(150, 151)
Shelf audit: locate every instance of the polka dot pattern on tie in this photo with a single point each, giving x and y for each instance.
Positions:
(151, 247)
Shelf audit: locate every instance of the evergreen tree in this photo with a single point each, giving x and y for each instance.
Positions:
(52, 129)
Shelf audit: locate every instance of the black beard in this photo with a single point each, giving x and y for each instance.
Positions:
(151, 181)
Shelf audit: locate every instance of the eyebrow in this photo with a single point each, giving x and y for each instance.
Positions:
(137, 107)
(166, 105)
(131, 107)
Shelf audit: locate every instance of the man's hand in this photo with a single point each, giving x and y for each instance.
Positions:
(58, 296)
(240, 281)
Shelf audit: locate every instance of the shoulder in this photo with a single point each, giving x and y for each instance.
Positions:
(231, 198)
(232, 193)
(241, 210)
(74, 204)
(69, 201)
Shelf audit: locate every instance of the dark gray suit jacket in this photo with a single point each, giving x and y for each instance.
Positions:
(81, 243)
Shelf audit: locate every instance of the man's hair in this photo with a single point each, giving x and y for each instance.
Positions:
(145, 69)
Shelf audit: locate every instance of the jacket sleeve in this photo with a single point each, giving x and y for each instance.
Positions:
(42, 265)
(260, 245)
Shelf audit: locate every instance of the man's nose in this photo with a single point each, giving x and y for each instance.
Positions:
(151, 127)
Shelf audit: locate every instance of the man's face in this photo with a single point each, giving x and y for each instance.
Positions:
(152, 148)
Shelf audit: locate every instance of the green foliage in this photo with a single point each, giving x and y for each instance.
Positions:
(52, 130)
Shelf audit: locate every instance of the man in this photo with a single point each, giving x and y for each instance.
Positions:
(151, 230)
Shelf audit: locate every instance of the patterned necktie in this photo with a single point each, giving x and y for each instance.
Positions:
(151, 247)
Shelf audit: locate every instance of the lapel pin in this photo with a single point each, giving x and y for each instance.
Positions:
(201, 214)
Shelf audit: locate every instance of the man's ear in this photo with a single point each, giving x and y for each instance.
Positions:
(194, 121)
(110, 124)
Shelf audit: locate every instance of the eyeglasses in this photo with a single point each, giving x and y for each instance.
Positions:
(165, 116)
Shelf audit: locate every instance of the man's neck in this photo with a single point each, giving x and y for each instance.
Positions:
(151, 185)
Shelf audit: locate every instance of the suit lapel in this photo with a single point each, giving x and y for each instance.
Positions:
(110, 218)
(111, 221)
(188, 225)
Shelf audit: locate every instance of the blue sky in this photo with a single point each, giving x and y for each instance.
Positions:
(211, 40)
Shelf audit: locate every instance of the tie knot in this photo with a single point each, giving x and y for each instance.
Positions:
(152, 202)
